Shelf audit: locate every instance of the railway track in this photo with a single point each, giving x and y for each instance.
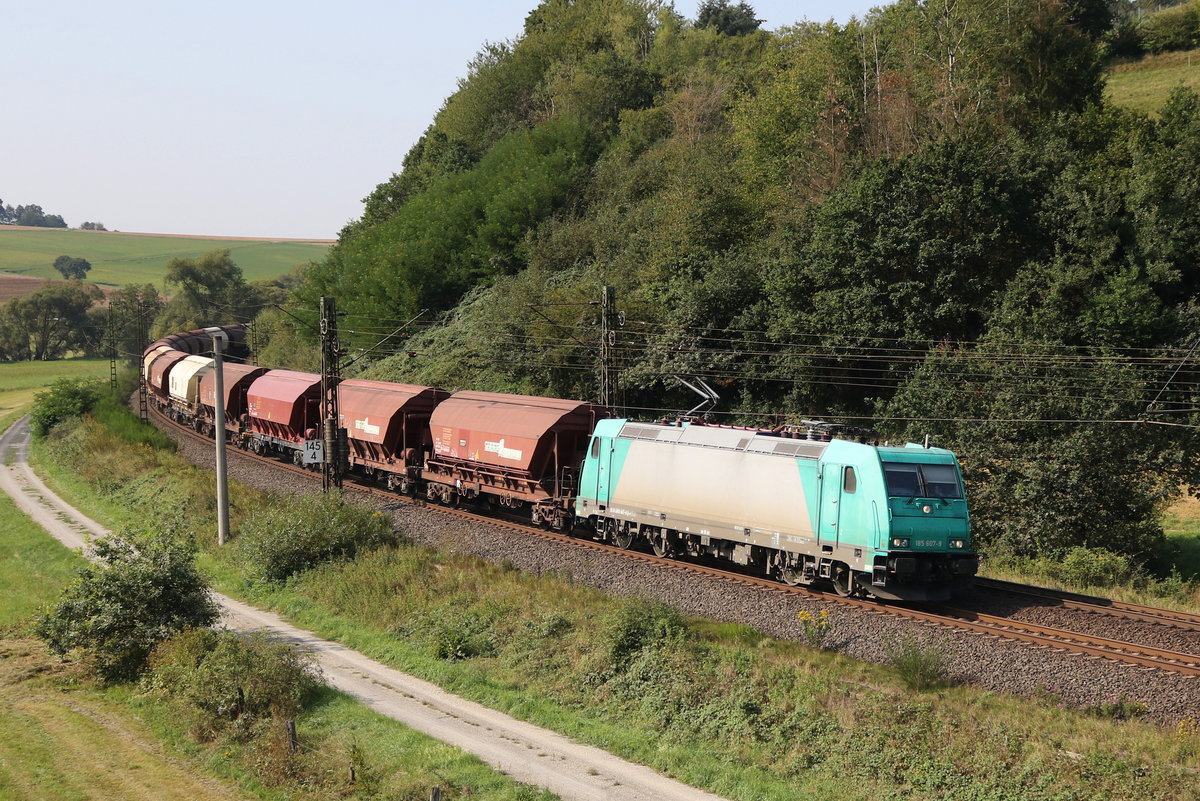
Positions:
(1088, 646)
(1097, 605)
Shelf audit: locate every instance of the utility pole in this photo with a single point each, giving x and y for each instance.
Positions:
(333, 435)
(141, 336)
(610, 321)
(219, 338)
(110, 334)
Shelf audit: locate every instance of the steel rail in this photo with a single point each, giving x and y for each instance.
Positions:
(958, 620)
(1098, 605)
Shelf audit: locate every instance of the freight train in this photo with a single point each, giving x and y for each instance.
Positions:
(875, 521)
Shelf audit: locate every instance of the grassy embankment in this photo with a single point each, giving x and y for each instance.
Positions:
(718, 705)
(82, 740)
(119, 259)
(1143, 85)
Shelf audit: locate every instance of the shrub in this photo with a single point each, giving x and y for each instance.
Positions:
(1175, 28)
(1117, 708)
(287, 538)
(229, 677)
(462, 636)
(638, 625)
(920, 665)
(1095, 567)
(816, 627)
(66, 398)
(456, 630)
(118, 609)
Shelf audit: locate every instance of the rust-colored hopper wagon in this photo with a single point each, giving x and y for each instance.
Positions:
(237, 379)
(516, 450)
(284, 407)
(159, 374)
(387, 428)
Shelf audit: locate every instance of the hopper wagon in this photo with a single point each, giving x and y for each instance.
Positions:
(284, 410)
(387, 428)
(516, 451)
(236, 381)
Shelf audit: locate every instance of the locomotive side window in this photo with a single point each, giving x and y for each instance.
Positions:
(921, 480)
(849, 481)
(595, 447)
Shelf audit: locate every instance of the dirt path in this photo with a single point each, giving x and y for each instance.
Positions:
(525, 752)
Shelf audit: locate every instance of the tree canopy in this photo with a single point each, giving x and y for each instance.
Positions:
(31, 215)
(206, 290)
(47, 324)
(72, 267)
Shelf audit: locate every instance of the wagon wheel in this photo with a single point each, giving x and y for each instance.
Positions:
(660, 543)
(791, 575)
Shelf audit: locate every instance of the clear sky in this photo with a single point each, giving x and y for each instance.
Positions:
(249, 118)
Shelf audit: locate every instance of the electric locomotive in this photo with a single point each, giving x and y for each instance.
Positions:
(889, 522)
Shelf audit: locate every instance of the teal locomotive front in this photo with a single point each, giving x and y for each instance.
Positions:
(887, 522)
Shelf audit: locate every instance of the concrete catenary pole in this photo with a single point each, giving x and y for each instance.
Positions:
(219, 338)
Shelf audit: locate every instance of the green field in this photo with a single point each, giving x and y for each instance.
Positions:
(118, 259)
(20, 381)
(1144, 85)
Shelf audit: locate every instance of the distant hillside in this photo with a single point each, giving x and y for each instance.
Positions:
(120, 258)
(1144, 85)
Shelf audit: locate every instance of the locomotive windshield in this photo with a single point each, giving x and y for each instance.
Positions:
(921, 480)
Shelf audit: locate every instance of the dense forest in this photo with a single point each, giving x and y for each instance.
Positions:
(926, 221)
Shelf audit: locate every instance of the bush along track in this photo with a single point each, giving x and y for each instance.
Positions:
(718, 705)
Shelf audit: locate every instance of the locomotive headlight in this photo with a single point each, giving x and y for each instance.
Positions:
(926, 508)
(957, 544)
(899, 542)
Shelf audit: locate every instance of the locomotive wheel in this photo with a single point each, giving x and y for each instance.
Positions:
(844, 583)
(623, 538)
(660, 543)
